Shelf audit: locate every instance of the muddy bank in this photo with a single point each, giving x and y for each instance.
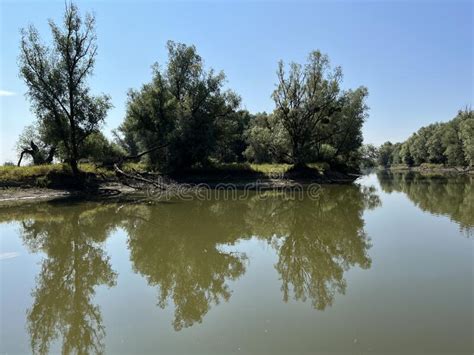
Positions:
(107, 190)
(18, 195)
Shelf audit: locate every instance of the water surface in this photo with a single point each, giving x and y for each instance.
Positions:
(381, 266)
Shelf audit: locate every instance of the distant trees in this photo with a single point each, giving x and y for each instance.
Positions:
(56, 78)
(368, 156)
(450, 143)
(315, 113)
(385, 154)
(466, 133)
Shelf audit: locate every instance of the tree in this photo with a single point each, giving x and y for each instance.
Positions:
(396, 157)
(405, 154)
(31, 143)
(314, 111)
(434, 145)
(267, 140)
(453, 145)
(56, 77)
(448, 143)
(466, 132)
(230, 132)
(385, 154)
(182, 110)
(368, 156)
(98, 149)
(346, 129)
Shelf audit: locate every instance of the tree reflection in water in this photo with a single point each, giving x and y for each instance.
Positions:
(181, 247)
(449, 195)
(176, 246)
(317, 240)
(72, 239)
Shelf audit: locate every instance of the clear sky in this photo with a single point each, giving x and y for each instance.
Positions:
(415, 57)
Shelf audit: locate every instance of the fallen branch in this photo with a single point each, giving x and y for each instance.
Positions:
(139, 155)
(138, 177)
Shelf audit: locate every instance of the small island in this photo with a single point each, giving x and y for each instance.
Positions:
(185, 125)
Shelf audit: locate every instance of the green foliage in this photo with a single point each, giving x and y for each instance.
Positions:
(185, 110)
(466, 132)
(434, 145)
(368, 156)
(315, 112)
(231, 144)
(98, 149)
(385, 154)
(450, 143)
(183, 118)
(267, 140)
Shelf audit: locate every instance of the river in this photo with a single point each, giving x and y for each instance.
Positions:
(384, 265)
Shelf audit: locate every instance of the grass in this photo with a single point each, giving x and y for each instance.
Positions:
(430, 166)
(21, 173)
(39, 174)
(266, 169)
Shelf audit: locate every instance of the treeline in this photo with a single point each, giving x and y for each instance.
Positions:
(183, 117)
(450, 143)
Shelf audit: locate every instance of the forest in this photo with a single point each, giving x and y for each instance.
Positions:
(185, 116)
(447, 143)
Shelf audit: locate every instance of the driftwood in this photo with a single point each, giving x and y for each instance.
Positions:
(137, 180)
(137, 177)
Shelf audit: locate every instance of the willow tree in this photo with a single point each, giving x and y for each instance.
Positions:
(178, 116)
(315, 112)
(56, 77)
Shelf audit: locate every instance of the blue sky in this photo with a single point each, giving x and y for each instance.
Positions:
(415, 57)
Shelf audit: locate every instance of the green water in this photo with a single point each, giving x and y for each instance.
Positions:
(382, 266)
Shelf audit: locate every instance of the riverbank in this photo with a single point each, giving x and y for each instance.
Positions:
(50, 182)
(433, 169)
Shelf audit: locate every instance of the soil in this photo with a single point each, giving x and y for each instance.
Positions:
(106, 190)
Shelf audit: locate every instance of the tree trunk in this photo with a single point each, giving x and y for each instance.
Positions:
(298, 159)
(21, 157)
(74, 167)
